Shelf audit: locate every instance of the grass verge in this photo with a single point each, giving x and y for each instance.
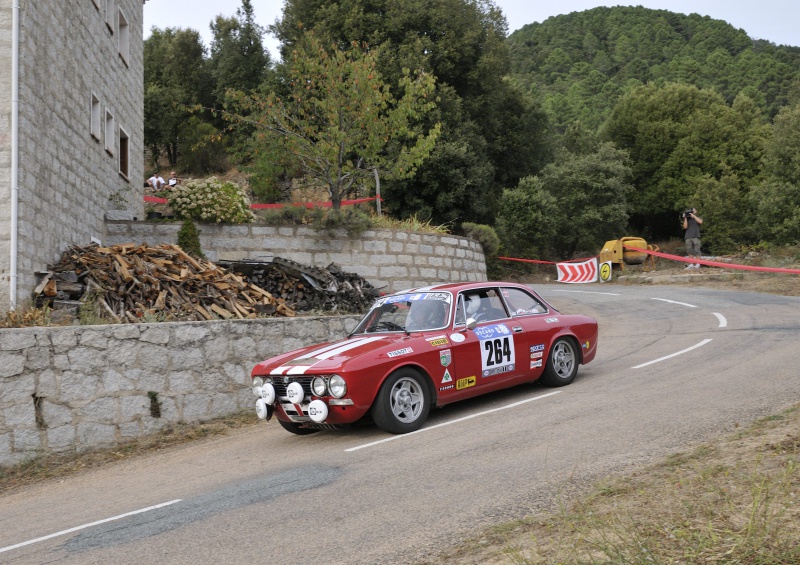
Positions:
(735, 500)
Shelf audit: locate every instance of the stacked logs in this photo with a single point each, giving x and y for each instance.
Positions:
(307, 288)
(135, 283)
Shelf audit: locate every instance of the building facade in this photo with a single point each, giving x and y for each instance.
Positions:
(71, 130)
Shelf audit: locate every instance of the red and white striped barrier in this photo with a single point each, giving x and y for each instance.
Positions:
(585, 272)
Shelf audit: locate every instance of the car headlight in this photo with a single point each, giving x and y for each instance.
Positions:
(318, 386)
(337, 386)
(257, 382)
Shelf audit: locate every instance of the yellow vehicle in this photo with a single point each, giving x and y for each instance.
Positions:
(615, 253)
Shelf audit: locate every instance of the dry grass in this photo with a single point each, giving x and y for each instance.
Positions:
(736, 500)
(62, 465)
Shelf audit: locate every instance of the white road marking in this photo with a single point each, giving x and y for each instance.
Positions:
(722, 321)
(673, 302)
(588, 292)
(401, 436)
(76, 528)
(701, 344)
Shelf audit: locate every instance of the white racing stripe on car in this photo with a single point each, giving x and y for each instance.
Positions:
(321, 354)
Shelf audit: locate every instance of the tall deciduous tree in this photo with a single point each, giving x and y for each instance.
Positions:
(339, 122)
(492, 134)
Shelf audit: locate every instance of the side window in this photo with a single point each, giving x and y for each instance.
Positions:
(124, 153)
(110, 133)
(110, 15)
(484, 305)
(520, 303)
(124, 38)
(95, 120)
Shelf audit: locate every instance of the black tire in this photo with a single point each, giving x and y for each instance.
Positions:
(562, 363)
(297, 428)
(403, 403)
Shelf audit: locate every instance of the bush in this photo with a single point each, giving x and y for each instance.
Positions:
(353, 220)
(485, 235)
(189, 239)
(287, 215)
(211, 200)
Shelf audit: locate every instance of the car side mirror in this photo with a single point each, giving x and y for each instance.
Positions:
(471, 323)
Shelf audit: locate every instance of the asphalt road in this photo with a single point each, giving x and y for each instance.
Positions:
(675, 366)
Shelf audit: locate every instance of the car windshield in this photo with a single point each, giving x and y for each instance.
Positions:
(409, 312)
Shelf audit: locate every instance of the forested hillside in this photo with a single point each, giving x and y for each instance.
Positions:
(581, 63)
(582, 128)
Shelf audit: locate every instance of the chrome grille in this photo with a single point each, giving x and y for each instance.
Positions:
(280, 382)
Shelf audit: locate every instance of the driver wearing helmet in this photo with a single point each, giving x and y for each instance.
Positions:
(473, 305)
(426, 315)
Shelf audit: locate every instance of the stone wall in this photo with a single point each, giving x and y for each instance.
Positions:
(69, 175)
(389, 259)
(72, 388)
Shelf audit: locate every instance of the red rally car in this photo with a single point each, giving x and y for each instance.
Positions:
(421, 348)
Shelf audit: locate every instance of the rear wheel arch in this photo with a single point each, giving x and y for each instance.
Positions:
(562, 361)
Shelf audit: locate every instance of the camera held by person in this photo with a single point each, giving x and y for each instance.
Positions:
(687, 214)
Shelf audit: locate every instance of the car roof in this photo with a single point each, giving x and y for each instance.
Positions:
(460, 286)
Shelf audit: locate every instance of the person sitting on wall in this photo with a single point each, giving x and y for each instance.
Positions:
(173, 180)
(156, 182)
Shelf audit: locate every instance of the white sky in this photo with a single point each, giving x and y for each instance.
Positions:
(777, 21)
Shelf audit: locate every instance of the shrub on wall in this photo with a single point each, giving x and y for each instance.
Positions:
(483, 234)
(211, 200)
(189, 239)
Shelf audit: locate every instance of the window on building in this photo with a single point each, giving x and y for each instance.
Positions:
(124, 38)
(110, 138)
(124, 152)
(96, 117)
(110, 15)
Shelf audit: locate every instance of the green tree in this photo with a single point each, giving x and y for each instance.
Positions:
(576, 204)
(239, 60)
(175, 78)
(527, 220)
(339, 122)
(492, 134)
(676, 133)
(776, 200)
(723, 205)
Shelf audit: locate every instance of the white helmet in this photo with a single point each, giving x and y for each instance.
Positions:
(473, 303)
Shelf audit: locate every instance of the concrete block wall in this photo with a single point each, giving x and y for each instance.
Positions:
(72, 388)
(389, 259)
(69, 179)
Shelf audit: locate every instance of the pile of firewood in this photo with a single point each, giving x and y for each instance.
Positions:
(307, 288)
(135, 283)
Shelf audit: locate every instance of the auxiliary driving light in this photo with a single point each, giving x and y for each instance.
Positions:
(295, 393)
(317, 411)
(261, 409)
(267, 393)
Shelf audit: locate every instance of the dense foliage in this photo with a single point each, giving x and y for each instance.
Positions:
(211, 200)
(338, 123)
(584, 127)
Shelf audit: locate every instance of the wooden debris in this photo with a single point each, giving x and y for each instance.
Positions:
(304, 288)
(130, 283)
